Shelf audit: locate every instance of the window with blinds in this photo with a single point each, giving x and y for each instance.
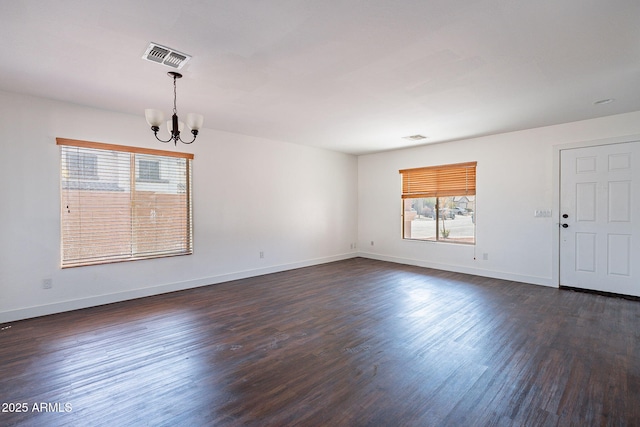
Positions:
(123, 203)
(439, 203)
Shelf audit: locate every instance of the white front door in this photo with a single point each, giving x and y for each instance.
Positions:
(600, 218)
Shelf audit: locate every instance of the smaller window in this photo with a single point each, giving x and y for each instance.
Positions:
(438, 203)
(440, 219)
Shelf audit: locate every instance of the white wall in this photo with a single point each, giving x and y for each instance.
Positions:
(516, 175)
(296, 204)
(299, 205)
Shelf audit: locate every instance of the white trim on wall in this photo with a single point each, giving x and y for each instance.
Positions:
(534, 280)
(59, 307)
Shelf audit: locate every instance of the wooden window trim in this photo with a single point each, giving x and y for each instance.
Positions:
(114, 147)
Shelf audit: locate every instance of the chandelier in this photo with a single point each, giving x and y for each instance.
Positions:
(156, 117)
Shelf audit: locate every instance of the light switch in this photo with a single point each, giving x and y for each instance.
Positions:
(542, 213)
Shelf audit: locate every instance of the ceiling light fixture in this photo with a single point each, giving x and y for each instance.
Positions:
(156, 117)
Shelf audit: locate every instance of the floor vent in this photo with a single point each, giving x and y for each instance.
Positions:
(165, 56)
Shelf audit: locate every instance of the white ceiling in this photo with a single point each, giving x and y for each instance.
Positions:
(347, 75)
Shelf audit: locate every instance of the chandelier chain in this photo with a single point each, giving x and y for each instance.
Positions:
(175, 95)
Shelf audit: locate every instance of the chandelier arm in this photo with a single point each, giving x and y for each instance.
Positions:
(155, 130)
(195, 134)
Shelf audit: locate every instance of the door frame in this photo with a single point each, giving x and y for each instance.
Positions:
(555, 253)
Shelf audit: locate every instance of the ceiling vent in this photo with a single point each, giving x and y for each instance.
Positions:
(415, 137)
(166, 56)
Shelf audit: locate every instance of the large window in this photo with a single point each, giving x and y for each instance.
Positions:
(123, 203)
(439, 203)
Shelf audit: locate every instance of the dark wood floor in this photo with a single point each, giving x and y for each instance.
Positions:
(351, 343)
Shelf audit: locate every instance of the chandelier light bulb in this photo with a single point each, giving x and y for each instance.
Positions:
(154, 117)
(195, 121)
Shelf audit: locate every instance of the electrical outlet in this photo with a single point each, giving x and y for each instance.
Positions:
(372, 243)
(485, 256)
(47, 284)
(261, 254)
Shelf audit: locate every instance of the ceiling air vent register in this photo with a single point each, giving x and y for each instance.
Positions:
(415, 137)
(165, 56)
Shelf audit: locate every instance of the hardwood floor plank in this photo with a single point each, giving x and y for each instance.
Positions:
(352, 343)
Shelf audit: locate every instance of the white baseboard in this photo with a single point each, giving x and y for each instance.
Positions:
(534, 280)
(60, 307)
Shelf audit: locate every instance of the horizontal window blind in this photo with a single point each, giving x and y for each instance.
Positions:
(123, 203)
(439, 181)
